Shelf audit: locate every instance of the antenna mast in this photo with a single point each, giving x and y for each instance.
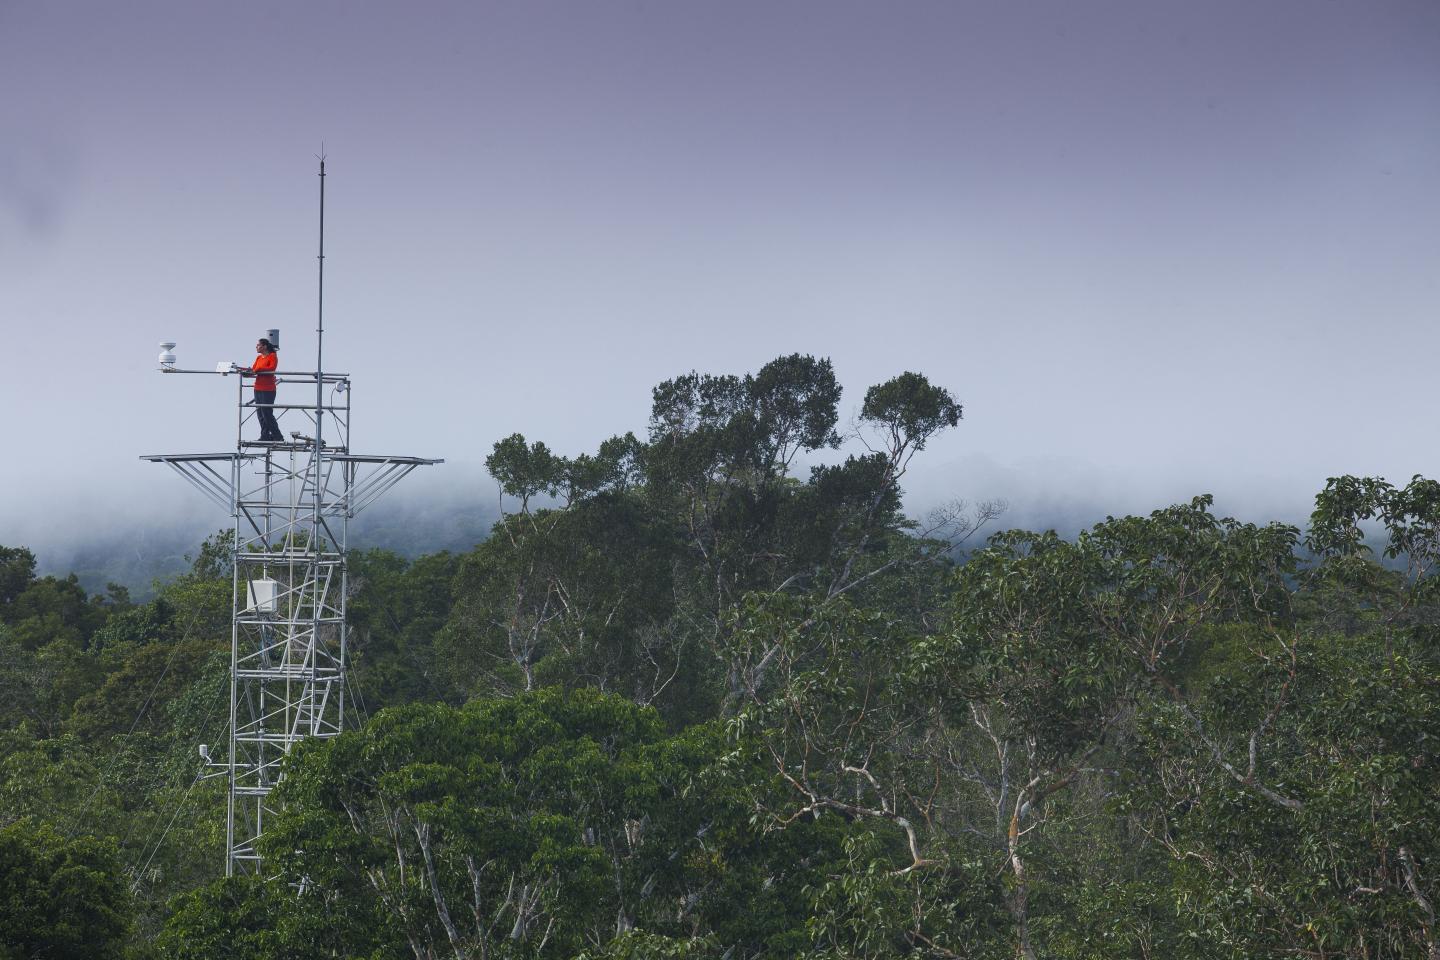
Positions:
(320, 298)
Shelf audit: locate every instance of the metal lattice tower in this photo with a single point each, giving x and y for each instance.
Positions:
(291, 503)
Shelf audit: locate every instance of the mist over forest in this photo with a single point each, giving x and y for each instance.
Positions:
(135, 550)
(454, 508)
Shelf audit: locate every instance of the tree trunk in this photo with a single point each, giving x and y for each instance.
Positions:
(1019, 900)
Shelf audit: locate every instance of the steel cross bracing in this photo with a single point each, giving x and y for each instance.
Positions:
(291, 503)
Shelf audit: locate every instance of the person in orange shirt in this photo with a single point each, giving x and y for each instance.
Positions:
(263, 370)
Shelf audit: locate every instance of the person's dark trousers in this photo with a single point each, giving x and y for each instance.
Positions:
(269, 429)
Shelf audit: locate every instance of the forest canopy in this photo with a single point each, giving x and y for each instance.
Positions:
(692, 699)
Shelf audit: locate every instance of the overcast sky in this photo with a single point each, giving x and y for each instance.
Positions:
(1157, 248)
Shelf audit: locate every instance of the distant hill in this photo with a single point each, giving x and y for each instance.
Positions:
(135, 554)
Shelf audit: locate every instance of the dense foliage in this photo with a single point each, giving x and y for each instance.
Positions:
(689, 701)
